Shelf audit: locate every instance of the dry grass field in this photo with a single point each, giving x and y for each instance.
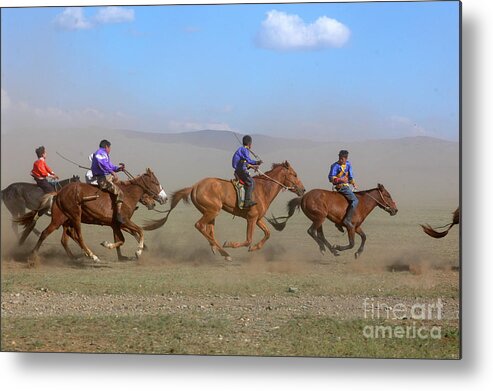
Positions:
(286, 300)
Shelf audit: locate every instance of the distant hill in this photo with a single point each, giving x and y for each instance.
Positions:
(221, 139)
(417, 170)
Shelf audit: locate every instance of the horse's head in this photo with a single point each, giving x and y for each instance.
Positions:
(389, 204)
(152, 187)
(291, 179)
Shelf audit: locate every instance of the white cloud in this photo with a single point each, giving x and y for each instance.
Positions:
(73, 18)
(114, 15)
(23, 115)
(281, 31)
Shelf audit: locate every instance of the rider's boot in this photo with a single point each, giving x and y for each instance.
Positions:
(119, 217)
(349, 216)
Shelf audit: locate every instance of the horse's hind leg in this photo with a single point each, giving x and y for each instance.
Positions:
(210, 231)
(64, 240)
(202, 226)
(360, 232)
(76, 221)
(312, 231)
(321, 236)
(56, 221)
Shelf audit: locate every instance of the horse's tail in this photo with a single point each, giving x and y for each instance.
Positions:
(176, 197)
(292, 205)
(435, 234)
(28, 221)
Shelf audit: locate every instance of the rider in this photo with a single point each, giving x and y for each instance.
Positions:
(241, 163)
(341, 176)
(105, 173)
(41, 172)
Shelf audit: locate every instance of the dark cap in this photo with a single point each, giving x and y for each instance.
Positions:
(104, 144)
(247, 140)
(39, 151)
(343, 153)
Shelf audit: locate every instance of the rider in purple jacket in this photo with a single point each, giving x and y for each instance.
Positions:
(105, 173)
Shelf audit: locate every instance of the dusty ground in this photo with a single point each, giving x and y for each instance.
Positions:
(285, 300)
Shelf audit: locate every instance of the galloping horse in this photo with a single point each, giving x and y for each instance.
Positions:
(32, 217)
(435, 234)
(319, 204)
(210, 195)
(82, 203)
(21, 195)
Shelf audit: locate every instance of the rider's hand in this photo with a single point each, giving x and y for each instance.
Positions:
(122, 167)
(259, 162)
(356, 187)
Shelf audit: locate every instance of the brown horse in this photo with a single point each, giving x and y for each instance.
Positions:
(210, 195)
(435, 234)
(29, 220)
(82, 203)
(319, 204)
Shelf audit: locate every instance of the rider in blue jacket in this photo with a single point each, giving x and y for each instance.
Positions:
(241, 163)
(341, 176)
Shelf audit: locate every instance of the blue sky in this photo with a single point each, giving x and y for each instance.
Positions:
(333, 71)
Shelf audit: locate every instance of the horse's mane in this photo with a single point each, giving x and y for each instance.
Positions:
(365, 191)
(274, 167)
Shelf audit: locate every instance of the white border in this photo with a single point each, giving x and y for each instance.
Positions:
(112, 372)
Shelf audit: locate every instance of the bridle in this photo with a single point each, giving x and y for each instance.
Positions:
(276, 181)
(385, 205)
(145, 187)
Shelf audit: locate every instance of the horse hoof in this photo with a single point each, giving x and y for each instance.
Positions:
(138, 253)
(228, 258)
(213, 249)
(105, 244)
(322, 251)
(94, 258)
(356, 255)
(226, 244)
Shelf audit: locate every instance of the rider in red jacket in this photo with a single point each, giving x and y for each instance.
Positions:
(41, 171)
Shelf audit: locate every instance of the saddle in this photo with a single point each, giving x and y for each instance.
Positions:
(239, 186)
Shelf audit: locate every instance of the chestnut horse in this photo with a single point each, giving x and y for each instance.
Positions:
(32, 217)
(435, 234)
(319, 204)
(210, 195)
(83, 203)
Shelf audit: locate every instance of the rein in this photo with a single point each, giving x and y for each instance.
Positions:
(144, 186)
(276, 181)
(385, 206)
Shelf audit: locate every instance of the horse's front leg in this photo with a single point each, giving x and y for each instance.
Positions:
(249, 236)
(118, 237)
(263, 227)
(350, 234)
(360, 232)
